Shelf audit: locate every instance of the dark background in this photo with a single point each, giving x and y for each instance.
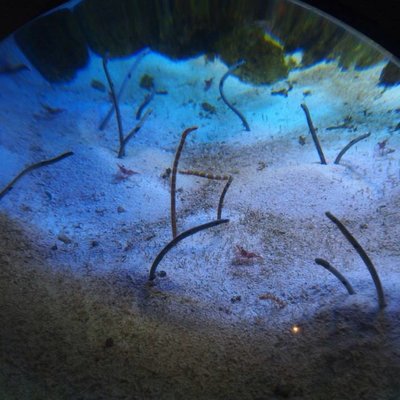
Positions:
(378, 19)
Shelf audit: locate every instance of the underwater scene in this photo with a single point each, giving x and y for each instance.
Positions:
(198, 200)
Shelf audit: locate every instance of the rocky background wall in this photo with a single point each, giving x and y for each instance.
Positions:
(261, 32)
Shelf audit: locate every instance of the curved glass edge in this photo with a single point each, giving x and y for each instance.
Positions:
(355, 34)
(364, 38)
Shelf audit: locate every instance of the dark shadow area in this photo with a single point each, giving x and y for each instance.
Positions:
(113, 337)
(377, 20)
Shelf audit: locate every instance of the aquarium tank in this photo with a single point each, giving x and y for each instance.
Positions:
(198, 200)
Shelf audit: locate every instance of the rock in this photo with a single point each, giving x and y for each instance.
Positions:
(64, 238)
(350, 51)
(235, 299)
(390, 75)
(319, 38)
(264, 56)
(117, 28)
(209, 108)
(55, 45)
(146, 82)
(263, 33)
(96, 84)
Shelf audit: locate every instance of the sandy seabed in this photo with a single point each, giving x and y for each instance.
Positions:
(77, 238)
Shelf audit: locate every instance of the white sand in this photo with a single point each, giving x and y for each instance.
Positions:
(189, 336)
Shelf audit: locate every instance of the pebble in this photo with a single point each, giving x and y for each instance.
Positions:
(235, 299)
(64, 238)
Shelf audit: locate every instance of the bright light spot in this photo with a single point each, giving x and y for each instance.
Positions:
(295, 329)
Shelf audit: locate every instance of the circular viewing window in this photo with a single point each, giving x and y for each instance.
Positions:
(198, 200)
